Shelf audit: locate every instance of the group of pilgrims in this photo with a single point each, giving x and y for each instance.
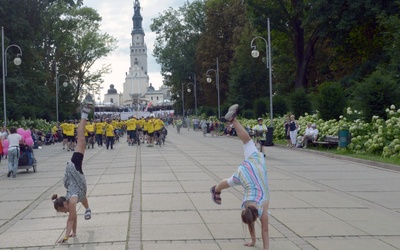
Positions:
(110, 130)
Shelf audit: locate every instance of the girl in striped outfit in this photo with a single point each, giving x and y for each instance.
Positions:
(252, 175)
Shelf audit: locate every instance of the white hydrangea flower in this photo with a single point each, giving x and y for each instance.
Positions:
(391, 112)
(392, 106)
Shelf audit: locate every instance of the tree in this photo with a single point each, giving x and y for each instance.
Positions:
(80, 46)
(224, 24)
(49, 31)
(377, 92)
(312, 27)
(331, 100)
(178, 32)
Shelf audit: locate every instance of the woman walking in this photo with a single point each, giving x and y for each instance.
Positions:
(75, 182)
(293, 127)
(13, 152)
(252, 175)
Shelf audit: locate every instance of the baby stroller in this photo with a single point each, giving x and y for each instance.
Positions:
(49, 138)
(27, 158)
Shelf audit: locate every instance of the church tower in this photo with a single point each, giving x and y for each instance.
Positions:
(137, 79)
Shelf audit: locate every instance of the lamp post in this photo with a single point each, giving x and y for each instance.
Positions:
(65, 84)
(17, 61)
(194, 92)
(255, 53)
(209, 80)
(183, 100)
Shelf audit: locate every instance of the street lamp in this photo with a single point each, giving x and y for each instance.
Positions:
(209, 80)
(255, 53)
(183, 100)
(65, 84)
(194, 92)
(17, 61)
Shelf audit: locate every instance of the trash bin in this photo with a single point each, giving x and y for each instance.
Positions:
(343, 137)
(269, 137)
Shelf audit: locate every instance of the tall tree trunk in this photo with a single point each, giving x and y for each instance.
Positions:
(299, 53)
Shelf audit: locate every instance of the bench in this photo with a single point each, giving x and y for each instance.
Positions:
(328, 141)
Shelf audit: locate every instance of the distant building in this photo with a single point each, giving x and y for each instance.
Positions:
(136, 88)
(112, 96)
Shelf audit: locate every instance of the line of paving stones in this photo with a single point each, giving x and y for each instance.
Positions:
(135, 226)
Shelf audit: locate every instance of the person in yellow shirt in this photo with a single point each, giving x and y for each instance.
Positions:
(56, 132)
(64, 136)
(70, 133)
(150, 131)
(115, 124)
(109, 134)
(145, 129)
(158, 126)
(131, 130)
(98, 128)
(89, 134)
(139, 129)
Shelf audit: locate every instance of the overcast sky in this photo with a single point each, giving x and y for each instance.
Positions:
(117, 21)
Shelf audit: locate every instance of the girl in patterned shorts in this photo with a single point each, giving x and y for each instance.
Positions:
(75, 182)
(252, 175)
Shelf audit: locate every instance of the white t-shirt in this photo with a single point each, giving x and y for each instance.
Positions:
(3, 135)
(314, 133)
(14, 140)
(309, 131)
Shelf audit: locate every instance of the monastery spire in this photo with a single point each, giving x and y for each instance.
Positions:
(137, 19)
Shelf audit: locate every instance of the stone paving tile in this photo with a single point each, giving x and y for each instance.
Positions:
(325, 199)
(10, 239)
(161, 202)
(109, 204)
(158, 177)
(351, 244)
(193, 176)
(191, 186)
(386, 199)
(171, 217)
(157, 187)
(112, 189)
(203, 201)
(175, 232)
(180, 246)
(284, 199)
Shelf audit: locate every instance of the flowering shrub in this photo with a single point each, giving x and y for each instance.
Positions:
(380, 136)
(39, 124)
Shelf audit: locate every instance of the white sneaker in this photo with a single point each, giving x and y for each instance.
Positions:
(232, 112)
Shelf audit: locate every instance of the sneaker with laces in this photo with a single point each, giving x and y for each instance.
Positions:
(232, 112)
(88, 214)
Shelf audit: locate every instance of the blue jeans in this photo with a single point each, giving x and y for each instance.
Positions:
(13, 157)
(110, 142)
(99, 138)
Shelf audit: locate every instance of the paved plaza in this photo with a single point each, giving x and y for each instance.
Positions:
(158, 198)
